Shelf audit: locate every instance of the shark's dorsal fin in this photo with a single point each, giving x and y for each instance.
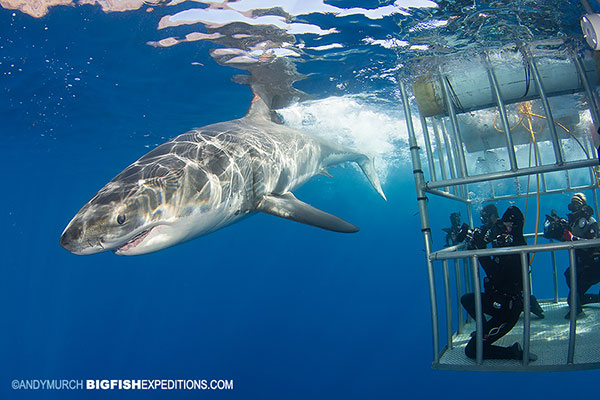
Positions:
(258, 109)
(289, 207)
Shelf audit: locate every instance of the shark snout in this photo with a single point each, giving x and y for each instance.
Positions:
(74, 242)
(71, 237)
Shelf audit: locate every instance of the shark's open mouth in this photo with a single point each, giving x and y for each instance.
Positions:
(137, 239)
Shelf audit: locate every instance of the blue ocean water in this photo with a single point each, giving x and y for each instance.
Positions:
(283, 309)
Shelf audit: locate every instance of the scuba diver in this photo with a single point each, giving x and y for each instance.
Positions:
(502, 299)
(580, 224)
(457, 232)
(476, 239)
(488, 216)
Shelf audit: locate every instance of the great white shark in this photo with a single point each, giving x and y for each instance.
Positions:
(206, 179)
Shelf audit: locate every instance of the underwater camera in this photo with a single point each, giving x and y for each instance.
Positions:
(554, 226)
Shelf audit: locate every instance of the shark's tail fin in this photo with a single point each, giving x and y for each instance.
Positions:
(368, 168)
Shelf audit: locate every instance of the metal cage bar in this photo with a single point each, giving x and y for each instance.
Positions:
(440, 151)
(510, 147)
(448, 303)
(510, 174)
(588, 90)
(454, 145)
(454, 122)
(549, 118)
(424, 218)
(432, 173)
(555, 275)
(447, 195)
(459, 293)
(468, 277)
(526, 307)
(542, 193)
(573, 306)
(543, 176)
(478, 311)
(530, 248)
(449, 151)
(460, 191)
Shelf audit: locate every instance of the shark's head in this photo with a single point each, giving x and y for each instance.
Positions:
(117, 219)
(131, 215)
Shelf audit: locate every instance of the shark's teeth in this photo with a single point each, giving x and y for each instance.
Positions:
(139, 238)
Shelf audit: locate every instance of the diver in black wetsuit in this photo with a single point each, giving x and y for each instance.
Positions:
(582, 225)
(456, 233)
(489, 218)
(503, 297)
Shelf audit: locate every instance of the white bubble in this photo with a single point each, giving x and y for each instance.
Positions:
(375, 130)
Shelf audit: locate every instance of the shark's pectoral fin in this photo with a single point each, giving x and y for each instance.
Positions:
(289, 207)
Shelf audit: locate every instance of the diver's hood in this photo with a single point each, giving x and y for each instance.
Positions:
(514, 215)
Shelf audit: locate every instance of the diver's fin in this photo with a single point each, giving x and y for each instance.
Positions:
(289, 207)
(368, 168)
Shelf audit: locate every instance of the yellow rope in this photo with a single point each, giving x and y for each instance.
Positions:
(525, 111)
(537, 176)
(528, 180)
(500, 130)
(463, 121)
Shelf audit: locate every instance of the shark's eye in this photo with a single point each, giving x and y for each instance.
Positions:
(121, 219)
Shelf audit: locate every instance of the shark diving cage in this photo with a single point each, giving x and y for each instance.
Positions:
(480, 119)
